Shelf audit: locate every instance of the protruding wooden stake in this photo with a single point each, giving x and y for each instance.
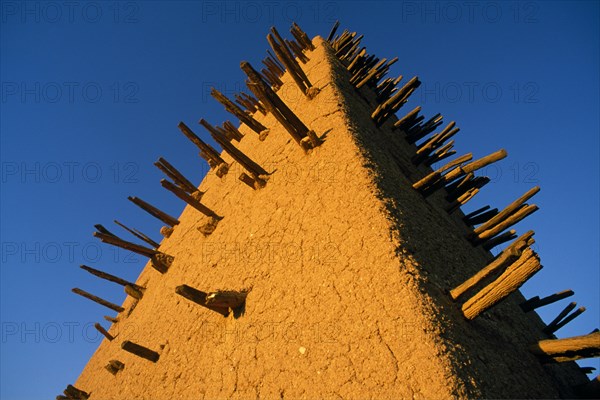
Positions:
(507, 212)
(134, 292)
(498, 240)
(212, 156)
(155, 212)
(140, 351)
(301, 37)
(226, 298)
(510, 255)
(476, 218)
(390, 106)
(175, 175)
(177, 191)
(159, 261)
(98, 300)
(332, 32)
(238, 112)
(102, 229)
(109, 277)
(509, 281)
(245, 161)
(77, 394)
(111, 319)
(274, 104)
(220, 301)
(536, 302)
(114, 366)
(117, 241)
(138, 234)
(569, 349)
(103, 331)
(434, 179)
(166, 231)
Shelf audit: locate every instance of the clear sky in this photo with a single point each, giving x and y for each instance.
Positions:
(92, 93)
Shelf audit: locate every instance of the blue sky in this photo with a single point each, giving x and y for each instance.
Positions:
(92, 93)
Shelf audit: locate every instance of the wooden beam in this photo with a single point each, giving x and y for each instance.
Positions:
(117, 241)
(98, 300)
(569, 349)
(212, 156)
(199, 297)
(238, 112)
(114, 366)
(180, 193)
(140, 351)
(155, 212)
(510, 209)
(103, 331)
(511, 254)
(138, 234)
(235, 153)
(175, 175)
(74, 393)
(109, 277)
(509, 281)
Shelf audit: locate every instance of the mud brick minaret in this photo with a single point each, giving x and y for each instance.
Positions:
(325, 255)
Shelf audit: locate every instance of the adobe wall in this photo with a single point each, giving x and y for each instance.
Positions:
(347, 267)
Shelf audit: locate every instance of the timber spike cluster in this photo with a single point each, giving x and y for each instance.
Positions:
(432, 142)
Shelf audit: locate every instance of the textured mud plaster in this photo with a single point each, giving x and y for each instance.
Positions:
(347, 267)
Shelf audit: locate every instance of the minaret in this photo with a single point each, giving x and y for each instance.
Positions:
(326, 255)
